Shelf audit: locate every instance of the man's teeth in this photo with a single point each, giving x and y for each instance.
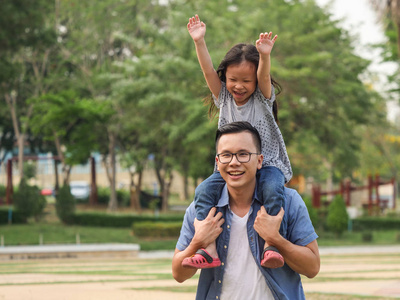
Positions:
(235, 173)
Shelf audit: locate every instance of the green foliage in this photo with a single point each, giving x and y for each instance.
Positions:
(376, 223)
(123, 196)
(123, 76)
(111, 220)
(312, 211)
(16, 216)
(28, 201)
(337, 218)
(3, 190)
(65, 205)
(29, 170)
(156, 230)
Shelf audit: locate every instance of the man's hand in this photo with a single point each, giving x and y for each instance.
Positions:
(209, 229)
(265, 43)
(267, 226)
(196, 28)
(206, 232)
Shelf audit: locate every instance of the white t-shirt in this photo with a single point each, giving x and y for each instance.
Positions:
(242, 277)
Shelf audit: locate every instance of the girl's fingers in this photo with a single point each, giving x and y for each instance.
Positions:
(267, 35)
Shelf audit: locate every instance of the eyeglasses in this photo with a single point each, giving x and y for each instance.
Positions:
(242, 157)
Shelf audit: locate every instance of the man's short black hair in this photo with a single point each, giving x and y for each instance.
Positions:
(236, 127)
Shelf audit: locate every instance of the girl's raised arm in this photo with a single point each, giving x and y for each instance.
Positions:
(264, 46)
(197, 30)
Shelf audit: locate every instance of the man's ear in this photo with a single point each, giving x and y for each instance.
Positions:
(260, 161)
(216, 160)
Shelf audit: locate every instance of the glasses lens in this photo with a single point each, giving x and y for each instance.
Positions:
(225, 158)
(243, 157)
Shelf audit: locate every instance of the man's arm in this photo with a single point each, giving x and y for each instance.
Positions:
(197, 30)
(301, 259)
(206, 232)
(264, 46)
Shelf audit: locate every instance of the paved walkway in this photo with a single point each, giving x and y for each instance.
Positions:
(109, 248)
(356, 270)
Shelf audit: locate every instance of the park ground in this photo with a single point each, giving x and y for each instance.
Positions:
(342, 276)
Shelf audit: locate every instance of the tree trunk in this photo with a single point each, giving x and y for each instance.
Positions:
(329, 180)
(113, 203)
(166, 191)
(11, 103)
(135, 192)
(185, 183)
(21, 139)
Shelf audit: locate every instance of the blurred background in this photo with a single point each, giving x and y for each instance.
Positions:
(110, 93)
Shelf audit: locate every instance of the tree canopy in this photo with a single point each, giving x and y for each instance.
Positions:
(122, 78)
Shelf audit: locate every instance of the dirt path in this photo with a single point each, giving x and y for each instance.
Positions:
(346, 276)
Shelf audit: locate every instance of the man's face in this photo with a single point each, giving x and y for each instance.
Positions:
(236, 174)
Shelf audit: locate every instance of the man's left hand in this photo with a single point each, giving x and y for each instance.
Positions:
(267, 226)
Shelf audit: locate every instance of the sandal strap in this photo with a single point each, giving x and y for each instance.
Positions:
(203, 253)
(269, 248)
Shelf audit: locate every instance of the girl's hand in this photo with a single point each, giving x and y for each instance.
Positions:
(196, 28)
(265, 43)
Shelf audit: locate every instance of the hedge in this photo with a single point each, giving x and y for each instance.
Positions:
(157, 230)
(376, 223)
(17, 217)
(109, 220)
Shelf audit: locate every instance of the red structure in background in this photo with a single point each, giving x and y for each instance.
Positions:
(93, 199)
(346, 188)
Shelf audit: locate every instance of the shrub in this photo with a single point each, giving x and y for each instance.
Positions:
(28, 201)
(337, 218)
(112, 220)
(65, 205)
(367, 236)
(16, 217)
(376, 223)
(156, 230)
(311, 211)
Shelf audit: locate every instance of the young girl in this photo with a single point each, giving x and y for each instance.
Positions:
(243, 90)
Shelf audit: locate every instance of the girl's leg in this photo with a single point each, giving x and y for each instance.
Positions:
(271, 182)
(206, 197)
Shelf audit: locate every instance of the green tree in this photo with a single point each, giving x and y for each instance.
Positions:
(65, 204)
(337, 218)
(68, 121)
(28, 201)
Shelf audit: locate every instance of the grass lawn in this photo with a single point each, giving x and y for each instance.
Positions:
(50, 231)
(57, 233)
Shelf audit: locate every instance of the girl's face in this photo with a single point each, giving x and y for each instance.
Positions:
(241, 81)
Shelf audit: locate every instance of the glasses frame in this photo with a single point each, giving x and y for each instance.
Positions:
(237, 158)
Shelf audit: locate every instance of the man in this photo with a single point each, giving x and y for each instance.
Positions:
(240, 226)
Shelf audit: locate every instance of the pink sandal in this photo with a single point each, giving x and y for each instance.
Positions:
(272, 258)
(201, 260)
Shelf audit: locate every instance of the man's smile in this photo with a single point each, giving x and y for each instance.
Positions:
(235, 173)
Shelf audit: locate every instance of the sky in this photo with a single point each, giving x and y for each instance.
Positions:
(359, 18)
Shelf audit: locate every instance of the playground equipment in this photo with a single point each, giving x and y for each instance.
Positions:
(346, 188)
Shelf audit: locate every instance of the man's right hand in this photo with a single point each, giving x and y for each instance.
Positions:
(209, 229)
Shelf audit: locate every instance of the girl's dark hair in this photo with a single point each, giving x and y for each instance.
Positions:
(236, 55)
